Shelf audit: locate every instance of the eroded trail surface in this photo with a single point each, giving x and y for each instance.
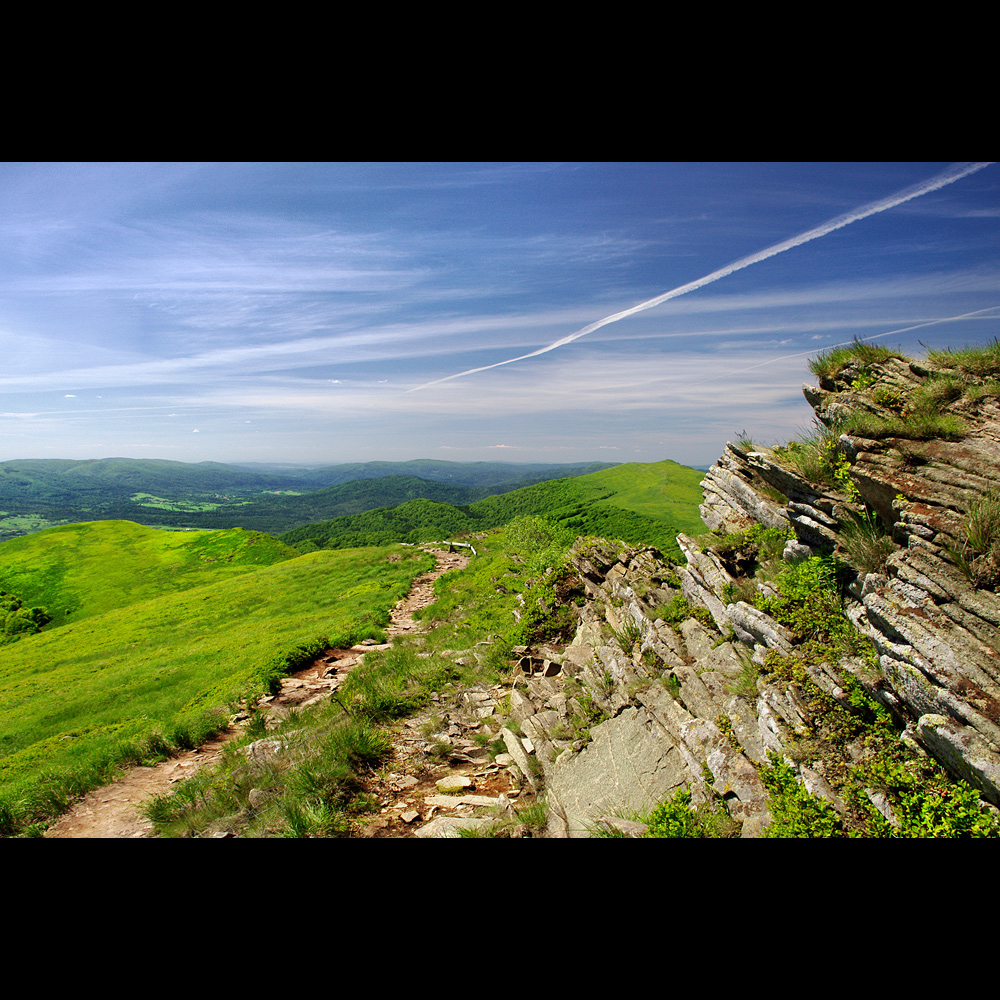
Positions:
(114, 811)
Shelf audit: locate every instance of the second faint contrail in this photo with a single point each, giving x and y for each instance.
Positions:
(953, 173)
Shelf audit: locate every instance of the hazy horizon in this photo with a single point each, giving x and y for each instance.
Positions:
(547, 313)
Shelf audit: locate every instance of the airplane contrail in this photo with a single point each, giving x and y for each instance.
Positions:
(953, 173)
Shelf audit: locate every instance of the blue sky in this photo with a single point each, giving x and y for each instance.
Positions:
(317, 312)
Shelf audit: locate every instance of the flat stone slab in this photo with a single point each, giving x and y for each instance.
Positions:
(452, 801)
(453, 783)
(631, 764)
(447, 827)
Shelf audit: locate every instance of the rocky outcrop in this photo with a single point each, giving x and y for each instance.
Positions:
(678, 703)
(677, 678)
(936, 631)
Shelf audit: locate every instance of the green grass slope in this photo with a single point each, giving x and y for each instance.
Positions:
(77, 699)
(641, 503)
(79, 570)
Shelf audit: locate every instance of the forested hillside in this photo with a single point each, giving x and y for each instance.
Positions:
(35, 494)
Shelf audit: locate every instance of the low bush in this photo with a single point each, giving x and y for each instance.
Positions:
(674, 818)
(923, 800)
(678, 609)
(794, 811)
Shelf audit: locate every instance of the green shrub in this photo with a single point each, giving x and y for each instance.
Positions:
(678, 610)
(891, 399)
(674, 818)
(794, 811)
(863, 380)
(808, 600)
(924, 801)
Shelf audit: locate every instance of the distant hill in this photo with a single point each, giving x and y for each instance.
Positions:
(640, 503)
(35, 494)
(481, 475)
(67, 480)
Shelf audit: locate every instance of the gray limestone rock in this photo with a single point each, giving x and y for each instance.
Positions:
(516, 750)
(749, 620)
(966, 752)
(796, 551)
(627, 767)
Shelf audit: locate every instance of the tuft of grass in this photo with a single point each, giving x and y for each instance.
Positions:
(745, 686)
(938, 391)
(975, 361)
(830, 364)
(628, 635)
(978, 551)
(919, 426)
(867, 541)
(528, 820)
(819, 458)
(979, 391)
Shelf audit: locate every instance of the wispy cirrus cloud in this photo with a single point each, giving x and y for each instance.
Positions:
(949, 176)
(272, 307)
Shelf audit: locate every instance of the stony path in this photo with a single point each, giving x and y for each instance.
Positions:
(113, 811)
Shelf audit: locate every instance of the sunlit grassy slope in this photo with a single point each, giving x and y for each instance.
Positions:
(664, 492)
(79, 570)
(75, 699)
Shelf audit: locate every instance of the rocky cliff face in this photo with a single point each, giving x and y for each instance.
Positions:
(898, 485)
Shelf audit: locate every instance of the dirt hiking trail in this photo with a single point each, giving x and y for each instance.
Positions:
(114, 811)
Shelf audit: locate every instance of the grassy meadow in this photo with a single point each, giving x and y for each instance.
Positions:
(79, 570)
(77, 699)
